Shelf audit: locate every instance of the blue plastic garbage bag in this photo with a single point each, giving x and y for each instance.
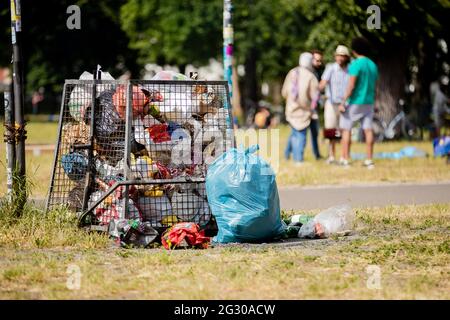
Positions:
(75, 165)
(441, 146)
(243, 196)
(406, 152)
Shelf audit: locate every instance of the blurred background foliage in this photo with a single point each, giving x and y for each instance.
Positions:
(125, 35)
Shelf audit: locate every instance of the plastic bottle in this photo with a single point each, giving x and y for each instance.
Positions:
(331, 221)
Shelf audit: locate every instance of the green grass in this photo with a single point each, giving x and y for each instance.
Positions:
(37, 229)
(319, 173)
(312, 173)
(38, 166)
(410, 245)
(42, 132)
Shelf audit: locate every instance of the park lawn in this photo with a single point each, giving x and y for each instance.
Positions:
(409, 244)
(38, 166)
(311, 173)
(314, 172)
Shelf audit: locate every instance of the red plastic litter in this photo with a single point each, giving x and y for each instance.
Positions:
(159, 133)
(139, 101)
(188, 231)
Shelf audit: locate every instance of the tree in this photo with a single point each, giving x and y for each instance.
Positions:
(407, 40)
(267, 35)
(173, 31)
(53, 53)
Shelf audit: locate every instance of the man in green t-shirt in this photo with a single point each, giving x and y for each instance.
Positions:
(359, 100)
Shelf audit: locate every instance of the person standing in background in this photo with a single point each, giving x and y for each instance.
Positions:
(440, 105)
(300, 89)
(359, 100)
(36, 98)
(334, 82)
(314, 126)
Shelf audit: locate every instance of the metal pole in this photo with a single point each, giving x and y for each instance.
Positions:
(16, 31)
(90, 176)
(228, 48)
(128, 133)
(9, 141)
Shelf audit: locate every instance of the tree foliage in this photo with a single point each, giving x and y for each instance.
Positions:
(269, 35)
(52, 52)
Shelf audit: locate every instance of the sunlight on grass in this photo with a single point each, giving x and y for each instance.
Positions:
(408, 243)
(312, 173)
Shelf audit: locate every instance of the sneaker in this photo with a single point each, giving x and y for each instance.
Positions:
(368, 163)
(331, 160)
(345, 163)
(299, 163)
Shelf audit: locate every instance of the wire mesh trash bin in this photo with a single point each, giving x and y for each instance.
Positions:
(139, 149)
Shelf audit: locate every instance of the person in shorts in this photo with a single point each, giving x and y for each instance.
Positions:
(359, 100)
(440, 105)
(334, 81)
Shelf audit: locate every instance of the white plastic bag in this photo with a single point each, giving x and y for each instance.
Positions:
(178, 106)
(100, 87)
(190, 207)
(331, 221)
(154, 209)
(169, 75)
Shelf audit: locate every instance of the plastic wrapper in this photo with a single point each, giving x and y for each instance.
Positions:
(184, 234)
(140, 236)
(162, 136)
(113, 207)
(154, 209)
(159, 133)
(75, 165)
(334, 220)
(243, 196)
(132, 232)
(75, 133)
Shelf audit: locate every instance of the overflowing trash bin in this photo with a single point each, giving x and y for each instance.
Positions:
(133, 155)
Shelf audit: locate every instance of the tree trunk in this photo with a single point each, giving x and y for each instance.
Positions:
(250, 97)
(392, 67)
(427, 68)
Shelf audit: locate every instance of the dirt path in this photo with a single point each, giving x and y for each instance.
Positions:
(368, 195)
(306, 198)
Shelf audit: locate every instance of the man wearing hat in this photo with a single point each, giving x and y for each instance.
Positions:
(334, 81)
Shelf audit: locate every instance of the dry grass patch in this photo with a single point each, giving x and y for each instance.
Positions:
(410, 245)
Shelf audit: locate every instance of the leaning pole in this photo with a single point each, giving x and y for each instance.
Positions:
(228, 46)
(10, 141)
(19, 126)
